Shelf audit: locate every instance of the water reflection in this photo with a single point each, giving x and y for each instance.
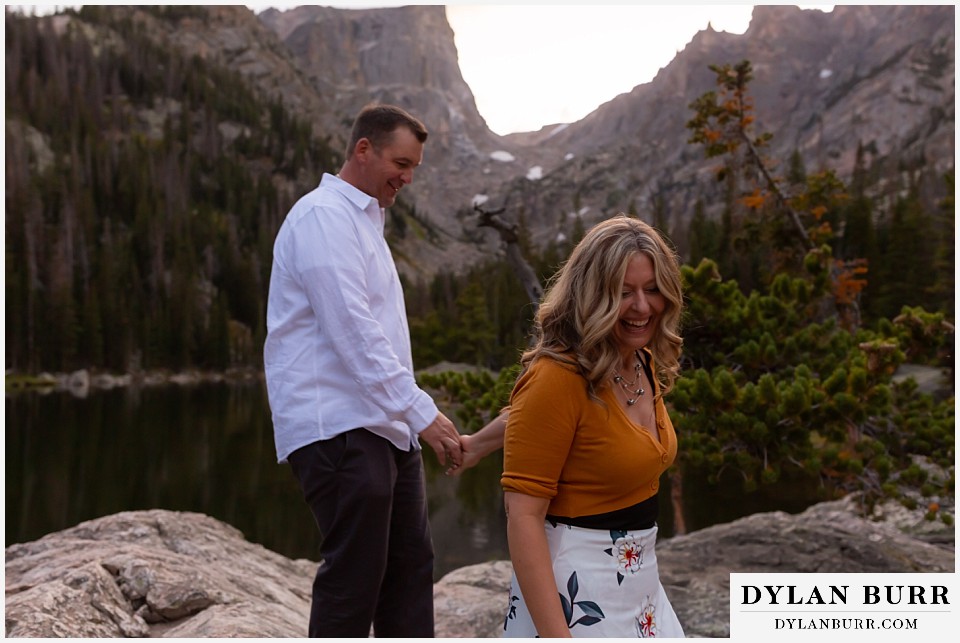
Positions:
(209, 448)
(205, 448)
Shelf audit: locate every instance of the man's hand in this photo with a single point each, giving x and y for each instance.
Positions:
(471, 455)
(478, 445)
(442, 436)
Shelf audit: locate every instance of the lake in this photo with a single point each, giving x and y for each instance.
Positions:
(209, 448)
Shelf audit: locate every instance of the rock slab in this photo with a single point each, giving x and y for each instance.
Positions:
(172, 574)
(154, 573)
(829, 537)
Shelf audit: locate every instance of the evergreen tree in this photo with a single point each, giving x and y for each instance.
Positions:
(906, 272)
(704, 236)
(941, 294)
(109, 243)
(797, 172)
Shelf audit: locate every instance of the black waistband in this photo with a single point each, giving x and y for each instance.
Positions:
(642, 515)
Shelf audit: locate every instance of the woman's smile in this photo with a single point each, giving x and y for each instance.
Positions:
(641, 302)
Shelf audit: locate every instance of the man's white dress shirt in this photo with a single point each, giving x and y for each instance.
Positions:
(337, 355)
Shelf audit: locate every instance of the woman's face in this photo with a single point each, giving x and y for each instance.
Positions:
(641, 305)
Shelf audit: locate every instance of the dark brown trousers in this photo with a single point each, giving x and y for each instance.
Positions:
(369, 501)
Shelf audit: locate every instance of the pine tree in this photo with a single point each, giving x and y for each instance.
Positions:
(941, 294)
(703, 235)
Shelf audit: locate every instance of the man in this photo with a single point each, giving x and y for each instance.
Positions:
(347, 411)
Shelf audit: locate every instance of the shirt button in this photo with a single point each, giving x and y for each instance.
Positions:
(655, 485)
(664, 458)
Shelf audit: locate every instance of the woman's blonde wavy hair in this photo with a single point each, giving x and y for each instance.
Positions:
(581, 306)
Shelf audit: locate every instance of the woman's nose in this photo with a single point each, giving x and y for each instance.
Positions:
(640, 303)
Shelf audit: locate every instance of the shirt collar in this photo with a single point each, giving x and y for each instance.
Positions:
(358, 197)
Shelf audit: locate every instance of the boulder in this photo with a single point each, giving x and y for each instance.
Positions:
(829, 537)
(173, 574)
(154, 573)
(471, 602)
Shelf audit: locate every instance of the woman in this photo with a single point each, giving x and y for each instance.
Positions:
(587, 439)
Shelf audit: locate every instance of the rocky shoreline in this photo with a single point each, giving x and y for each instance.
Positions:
(81, 382)
(161, 573)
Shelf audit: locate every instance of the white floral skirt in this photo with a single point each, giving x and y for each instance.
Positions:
(609, 586)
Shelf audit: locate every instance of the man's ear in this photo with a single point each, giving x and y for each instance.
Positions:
(362, 149)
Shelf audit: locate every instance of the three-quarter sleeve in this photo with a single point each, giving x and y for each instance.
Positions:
(544, 414)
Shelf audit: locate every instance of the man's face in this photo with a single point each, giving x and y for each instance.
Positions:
(386, 171)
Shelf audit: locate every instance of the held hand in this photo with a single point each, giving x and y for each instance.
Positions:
(480, 444)
(471, 455)
(442, 436)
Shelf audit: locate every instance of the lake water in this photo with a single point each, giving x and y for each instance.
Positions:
(209, 449)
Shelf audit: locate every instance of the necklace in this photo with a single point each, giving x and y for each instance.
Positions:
(629, 386)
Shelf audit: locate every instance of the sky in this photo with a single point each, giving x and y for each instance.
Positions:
(530, 66)
(533, 64)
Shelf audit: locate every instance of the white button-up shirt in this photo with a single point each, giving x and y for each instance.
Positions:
(337, 355)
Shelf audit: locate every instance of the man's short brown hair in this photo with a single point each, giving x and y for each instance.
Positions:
(376, 123)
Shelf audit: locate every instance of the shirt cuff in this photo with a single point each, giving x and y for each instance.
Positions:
(423, 412)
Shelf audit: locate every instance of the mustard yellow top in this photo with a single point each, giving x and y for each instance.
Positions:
(587, 458)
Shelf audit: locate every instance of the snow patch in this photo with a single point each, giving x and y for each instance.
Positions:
(479, 199)
(568, 156)
(502, 156)
(825, 73)
(535, 173)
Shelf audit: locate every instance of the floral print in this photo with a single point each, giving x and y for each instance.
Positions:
(608, 585)
(629, 554)
(512, 612)
(592, 613)
(646, 622)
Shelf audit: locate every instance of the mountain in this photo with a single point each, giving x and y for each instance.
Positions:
(405, 56)
(880, 77)
(824, 83)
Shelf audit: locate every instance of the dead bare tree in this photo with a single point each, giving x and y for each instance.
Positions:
(510, 237)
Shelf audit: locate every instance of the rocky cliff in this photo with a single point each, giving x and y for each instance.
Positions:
(406, 56)
(170, 574)
(880, 77)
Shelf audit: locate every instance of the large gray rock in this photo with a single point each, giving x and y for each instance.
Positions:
(829, 537)
(163, 573)
(154, 573)
(471, 602)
